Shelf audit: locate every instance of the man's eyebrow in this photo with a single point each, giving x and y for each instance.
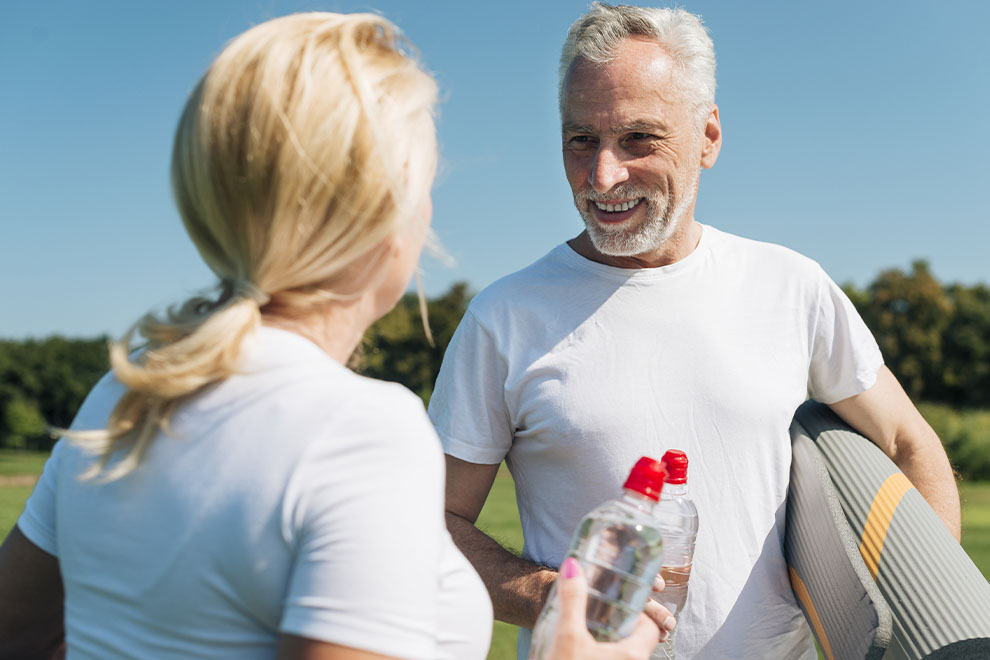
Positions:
(576, 128)
(618, 129)
(640, 127)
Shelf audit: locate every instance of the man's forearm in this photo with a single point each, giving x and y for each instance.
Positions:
(930, 472)
(518, 587)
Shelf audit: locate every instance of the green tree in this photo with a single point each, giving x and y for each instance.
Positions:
(908, 314)
(396, 347)
(966, 347)
(51, 377)
(22, 425)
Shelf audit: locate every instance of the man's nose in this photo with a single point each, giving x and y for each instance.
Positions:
(607, 170)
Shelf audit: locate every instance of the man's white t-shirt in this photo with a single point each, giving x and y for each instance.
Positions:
(571, 370)
(294, 497)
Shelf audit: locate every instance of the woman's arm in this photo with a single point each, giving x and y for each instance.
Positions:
(31, 601)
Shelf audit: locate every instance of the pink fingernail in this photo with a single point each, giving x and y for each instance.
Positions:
(569, 568)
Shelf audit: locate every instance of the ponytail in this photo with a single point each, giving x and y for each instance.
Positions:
(196, 345)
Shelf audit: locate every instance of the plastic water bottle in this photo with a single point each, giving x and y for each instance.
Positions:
(679, 525)
(620, 549)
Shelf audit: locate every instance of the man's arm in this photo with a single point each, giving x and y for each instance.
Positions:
(885, 415)
(30, 601)
(518, 588)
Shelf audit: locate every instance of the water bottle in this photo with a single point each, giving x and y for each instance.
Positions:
(679, 525)
(620, 549)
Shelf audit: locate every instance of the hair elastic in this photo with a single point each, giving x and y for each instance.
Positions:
(249, 290)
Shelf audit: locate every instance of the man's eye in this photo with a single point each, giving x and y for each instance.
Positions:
(579, 141)
(641, 136)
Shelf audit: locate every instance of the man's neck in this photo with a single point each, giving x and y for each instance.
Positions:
(677, 247)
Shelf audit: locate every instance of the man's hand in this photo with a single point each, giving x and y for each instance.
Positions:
(661, 616)
(885, 415)
(572, 641)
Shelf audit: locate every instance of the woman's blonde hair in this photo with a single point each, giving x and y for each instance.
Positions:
(308, 143)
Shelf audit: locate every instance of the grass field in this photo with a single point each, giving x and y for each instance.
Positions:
(17, 463)
(501, 520)
(17, 470)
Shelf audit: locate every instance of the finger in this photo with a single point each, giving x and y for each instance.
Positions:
(661, 617)
(572, 602)
(572, 594)
(658, 584)
(643, 639)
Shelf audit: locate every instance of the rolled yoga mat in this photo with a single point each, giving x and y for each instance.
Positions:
(875, 570)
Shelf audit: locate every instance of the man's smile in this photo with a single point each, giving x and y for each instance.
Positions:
(615, 210)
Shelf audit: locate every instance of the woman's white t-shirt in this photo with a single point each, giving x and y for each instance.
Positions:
(294, 497)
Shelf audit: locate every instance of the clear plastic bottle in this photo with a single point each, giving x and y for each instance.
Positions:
(620, 549)
(678, 518)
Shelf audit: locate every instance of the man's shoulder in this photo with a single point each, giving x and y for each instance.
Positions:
(764, 255)
(527, 286)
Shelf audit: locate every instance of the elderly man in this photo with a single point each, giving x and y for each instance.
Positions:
(649, 331)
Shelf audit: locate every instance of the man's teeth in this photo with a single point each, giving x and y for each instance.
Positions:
(612, 208)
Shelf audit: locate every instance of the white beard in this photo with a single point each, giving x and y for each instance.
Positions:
(662, 220)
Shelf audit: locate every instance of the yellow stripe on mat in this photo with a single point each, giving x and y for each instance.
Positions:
(879, 517)
(801, 592)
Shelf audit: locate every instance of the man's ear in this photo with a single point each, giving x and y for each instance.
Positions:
(712, 139)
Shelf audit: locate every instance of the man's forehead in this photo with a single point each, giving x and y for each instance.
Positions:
(640, 74)
(618, 100)
(633, 55)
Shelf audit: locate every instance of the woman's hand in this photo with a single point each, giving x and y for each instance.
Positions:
(572, 641)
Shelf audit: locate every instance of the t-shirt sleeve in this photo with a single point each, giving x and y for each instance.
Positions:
(468, 403)
(845, 357)
(363, 513)
(37, 521)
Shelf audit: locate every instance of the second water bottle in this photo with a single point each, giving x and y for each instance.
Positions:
(678, 518)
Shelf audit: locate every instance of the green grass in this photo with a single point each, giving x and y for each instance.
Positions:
(12, 499)
(13, 462)
(976, 523)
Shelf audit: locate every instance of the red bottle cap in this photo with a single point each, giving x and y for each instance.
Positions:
(676, 463)
(646, 478)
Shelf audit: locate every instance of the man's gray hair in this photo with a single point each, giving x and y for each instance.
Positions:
(596, 37)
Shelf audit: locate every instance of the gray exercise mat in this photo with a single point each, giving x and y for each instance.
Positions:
(924, 586)
(841, 601)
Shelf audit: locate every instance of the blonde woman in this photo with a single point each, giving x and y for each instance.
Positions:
(231, 490)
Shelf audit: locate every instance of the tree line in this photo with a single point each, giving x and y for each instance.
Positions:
(934, 337)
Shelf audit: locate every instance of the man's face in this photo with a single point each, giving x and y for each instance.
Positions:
(633, 149)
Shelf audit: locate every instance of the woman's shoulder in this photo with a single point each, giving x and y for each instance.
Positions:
(298, 380)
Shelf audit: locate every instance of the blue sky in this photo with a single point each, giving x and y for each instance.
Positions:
(853, 133)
